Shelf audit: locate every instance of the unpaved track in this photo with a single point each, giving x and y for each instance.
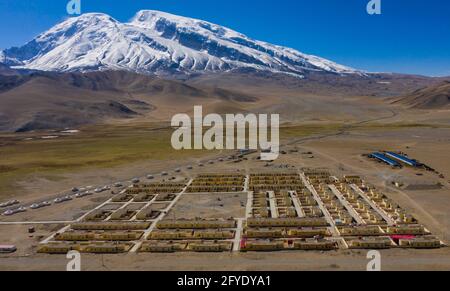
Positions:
(346, 128)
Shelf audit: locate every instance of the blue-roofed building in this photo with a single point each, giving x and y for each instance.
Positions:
(384, 159)
(402, 159)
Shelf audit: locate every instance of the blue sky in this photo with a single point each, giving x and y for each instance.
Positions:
(411, 36)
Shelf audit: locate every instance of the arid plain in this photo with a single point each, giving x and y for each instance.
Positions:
(318, 131)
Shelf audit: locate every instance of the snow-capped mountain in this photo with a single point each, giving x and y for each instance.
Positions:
(156, 42)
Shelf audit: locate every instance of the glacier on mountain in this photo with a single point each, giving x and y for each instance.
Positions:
(155, 42)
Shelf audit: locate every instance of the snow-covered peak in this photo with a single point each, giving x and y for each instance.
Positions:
(149, 16)
(157, 42)
(158, 20)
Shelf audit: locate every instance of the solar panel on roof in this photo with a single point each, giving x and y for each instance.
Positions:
(385, 159)
(402, 159)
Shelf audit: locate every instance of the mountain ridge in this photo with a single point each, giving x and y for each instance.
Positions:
(436, 96)
(155, 42)
(53, 100)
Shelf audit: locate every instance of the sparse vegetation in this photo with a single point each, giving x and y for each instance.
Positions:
(106, 146)
(94, 147)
